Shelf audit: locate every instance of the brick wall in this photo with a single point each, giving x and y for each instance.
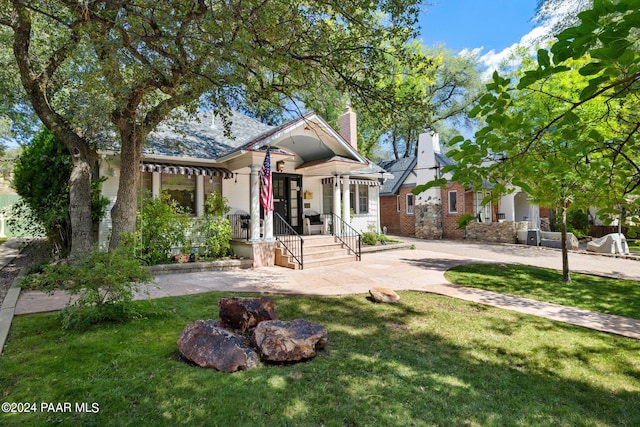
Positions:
(399, 223)
(407, 221)
(450, 220)
(388, 216)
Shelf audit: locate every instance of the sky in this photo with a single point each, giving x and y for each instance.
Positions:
(488, 28)
(470, 24)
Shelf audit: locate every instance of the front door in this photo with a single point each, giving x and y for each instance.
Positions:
(287, 198)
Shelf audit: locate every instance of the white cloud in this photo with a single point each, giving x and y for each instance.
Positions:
(550, 18)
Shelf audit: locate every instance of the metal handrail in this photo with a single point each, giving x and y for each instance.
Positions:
(289, 238)
(347, 235)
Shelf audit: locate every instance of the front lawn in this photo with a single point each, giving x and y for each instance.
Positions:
(605, 295)
(429, 360)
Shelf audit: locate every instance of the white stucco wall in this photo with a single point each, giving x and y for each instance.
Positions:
(236, 190)
(428, 145)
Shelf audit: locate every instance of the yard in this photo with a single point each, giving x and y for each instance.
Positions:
(429, 360)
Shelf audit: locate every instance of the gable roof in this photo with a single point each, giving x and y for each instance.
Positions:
(315, 140)
(400, 169)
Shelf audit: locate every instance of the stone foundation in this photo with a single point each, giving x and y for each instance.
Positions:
(429, 221)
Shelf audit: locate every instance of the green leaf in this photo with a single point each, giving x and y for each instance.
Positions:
(543, 58)
(592, 68)
(424, 187)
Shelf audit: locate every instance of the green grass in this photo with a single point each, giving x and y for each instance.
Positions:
(605, 295)
(634, 245)
(428, 360)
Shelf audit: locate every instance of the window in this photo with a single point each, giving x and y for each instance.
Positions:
(398, 203)
(453, 202)
(181, 188)
(483, 210)
(146, 181)
(363, 199)
(359, 198)
(409, 204)
(212, 184)
(327, 198)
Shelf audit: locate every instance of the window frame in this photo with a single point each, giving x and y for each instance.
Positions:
(410, 207)
(455, 199)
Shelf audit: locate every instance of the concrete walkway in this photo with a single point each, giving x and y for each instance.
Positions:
(421, 269)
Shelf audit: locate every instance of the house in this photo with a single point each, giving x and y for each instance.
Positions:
(434, 213)
(316, 170)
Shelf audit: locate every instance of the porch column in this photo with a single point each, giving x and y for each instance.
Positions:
(268, 227)
(199, 195)
(155, 184)
(346, 200)
(254, 223)
(336, 202)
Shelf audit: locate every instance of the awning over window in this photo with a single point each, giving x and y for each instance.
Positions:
(185, 170)
(372, 183)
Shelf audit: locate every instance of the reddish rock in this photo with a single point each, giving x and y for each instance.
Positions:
(245, 313)
(380, 294)
(296, 340)
(209, 346)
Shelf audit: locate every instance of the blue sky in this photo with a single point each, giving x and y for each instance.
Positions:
(471, 24)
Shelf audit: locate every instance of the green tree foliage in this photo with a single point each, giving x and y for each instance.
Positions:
(41, 178)
(434, 91)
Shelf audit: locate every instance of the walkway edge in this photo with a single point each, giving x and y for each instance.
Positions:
(8, 308)
(602, 322)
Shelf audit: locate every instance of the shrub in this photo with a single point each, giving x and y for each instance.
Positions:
(214, 228)
(161, 225)
(104, 284)
(369, 238)
(578, 223)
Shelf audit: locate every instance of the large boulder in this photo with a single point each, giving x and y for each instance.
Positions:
(209, 346)
(280, 341)
(245, 313)
(386, 295)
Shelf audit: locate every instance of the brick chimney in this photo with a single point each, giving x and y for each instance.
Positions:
(349, 127)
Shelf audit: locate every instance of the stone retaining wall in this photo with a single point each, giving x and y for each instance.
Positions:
(498, 232)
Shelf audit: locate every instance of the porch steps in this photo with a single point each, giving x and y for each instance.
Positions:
(318, 251)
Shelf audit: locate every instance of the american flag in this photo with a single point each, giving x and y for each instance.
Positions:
(266, 191)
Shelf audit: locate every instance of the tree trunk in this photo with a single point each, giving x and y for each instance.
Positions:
(566, 277)
(84, 160)
(123, 213)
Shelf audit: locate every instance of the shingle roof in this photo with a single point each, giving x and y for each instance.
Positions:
(400, 169)
(204, 137)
